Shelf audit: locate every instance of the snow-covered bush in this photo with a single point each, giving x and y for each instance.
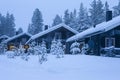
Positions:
(108, 51)
(10, 54)
(59, 49)
(74, 48)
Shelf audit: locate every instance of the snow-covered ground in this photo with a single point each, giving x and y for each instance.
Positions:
(71, 67)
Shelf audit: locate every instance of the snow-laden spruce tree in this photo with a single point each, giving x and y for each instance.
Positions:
(43, 56)
(2, 48)
(66, 17)
(32, 48)
(73, 20)
(57, 20)
(37, 22)
(116, 9)
(74, 48)
(96, 12)
(82, 20)
(59, 49)
(53, 48)
(37, 50)
(20, 30)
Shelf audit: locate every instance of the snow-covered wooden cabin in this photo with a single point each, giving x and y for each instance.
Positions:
(3, 38)
(61, 31)
(16, 40)
(103, 35)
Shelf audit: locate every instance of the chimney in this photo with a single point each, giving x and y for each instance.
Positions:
(46, 27)
(108, 15)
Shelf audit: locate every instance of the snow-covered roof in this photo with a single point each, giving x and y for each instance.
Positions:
(16, 36)
(100, 28)
(52, 29)
(4, 36)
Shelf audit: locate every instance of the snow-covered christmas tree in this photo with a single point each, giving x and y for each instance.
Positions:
(60, 49)
(43, 56)
(53, 47)
(74, 49)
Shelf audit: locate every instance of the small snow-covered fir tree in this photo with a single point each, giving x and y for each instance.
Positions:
(2, 48)
(53, 47)
(59, 49)
(84, 49)
(43, 56)
(37, 50)
(32, 48)
(74, 49)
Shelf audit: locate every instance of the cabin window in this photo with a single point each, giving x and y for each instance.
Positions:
(109, 42)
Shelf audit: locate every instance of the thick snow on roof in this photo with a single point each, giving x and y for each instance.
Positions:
(52, 29)
(4, 36)
(16, 36)
(100, 28)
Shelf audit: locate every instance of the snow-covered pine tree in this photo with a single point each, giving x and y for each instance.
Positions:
(97, 12)
(29, 30)
(20, 50)
(37, 50)
(57, 20)
(32, 47)
(43, 56)
(116, 9)
(37, 22)
(10, 25)
(73, 20)
(2, 48)
(60, 49)
(106, 6)
(74, 48)
(53, 47)
(66, 17)
(20, 30)
(83, 20)
(1, 24)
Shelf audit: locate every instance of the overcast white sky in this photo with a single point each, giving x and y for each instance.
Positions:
(23, 9)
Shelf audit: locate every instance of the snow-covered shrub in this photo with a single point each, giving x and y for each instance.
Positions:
(108, 51)
(59, 49)
(10, 54)
(53, 48)
(74, 48)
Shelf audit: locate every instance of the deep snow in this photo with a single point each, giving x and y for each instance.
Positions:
(71, 67)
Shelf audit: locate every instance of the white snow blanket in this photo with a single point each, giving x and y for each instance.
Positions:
(72, 67)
